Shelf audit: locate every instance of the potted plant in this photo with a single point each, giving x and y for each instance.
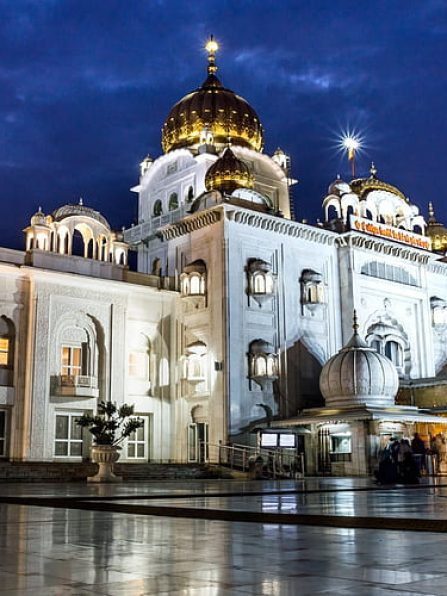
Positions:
(109, 427)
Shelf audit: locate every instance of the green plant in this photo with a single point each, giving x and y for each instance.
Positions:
(112, 424)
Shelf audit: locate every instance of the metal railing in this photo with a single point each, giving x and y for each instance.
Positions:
(78, 381)
(276, 463)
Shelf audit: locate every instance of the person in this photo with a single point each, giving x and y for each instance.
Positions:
(418, 449)
(402, 458)
(387, 472)
(409, 470)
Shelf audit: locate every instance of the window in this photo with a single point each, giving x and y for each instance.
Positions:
(189, 195)
(195, 284)
(312, 288)
(68, 436)
(376, 345)
(259, 284)
(137, 443)
(158, 208)
(173, 201)
(2, 433)
(260, 368)
(71, 361)
(4, 351)
(138, 365)
(393, 351)
(193, 279)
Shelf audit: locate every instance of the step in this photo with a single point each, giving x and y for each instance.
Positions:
(69, 472)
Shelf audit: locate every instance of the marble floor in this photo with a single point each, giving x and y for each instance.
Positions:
(47, 551)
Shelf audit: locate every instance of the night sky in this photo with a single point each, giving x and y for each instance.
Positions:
(86, 84)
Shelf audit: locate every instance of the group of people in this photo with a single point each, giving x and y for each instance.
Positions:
(402, 461)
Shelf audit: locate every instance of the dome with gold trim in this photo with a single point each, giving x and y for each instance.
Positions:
(228, 173)
(212, 112)
(363, 186)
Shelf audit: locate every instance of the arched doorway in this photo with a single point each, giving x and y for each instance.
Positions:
(198, 439)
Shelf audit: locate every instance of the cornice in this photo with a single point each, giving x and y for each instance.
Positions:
(190, 224)
(384, 247)
(439, 268)
(249, 218)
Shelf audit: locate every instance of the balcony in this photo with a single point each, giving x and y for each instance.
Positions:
(76, 386)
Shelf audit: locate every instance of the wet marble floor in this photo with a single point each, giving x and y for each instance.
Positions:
(47, 551)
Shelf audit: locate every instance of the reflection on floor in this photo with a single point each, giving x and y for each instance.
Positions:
(62, 551)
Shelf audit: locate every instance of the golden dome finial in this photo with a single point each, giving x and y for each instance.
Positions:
(211, 47)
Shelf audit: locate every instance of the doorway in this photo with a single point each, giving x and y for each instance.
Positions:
(198, 442)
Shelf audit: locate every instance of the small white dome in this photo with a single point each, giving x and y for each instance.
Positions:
(338, 187)
(38, 219)
(358, 375)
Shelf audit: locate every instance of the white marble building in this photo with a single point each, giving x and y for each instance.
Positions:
(277, 295)
(75, 330)
(236, 306)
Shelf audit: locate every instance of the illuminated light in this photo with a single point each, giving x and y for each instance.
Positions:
(351, 143)
(212, 46)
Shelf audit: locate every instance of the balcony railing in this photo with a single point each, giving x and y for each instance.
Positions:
(78, 381)
(75, 386)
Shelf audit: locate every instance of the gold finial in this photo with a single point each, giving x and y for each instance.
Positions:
(373, 170)
(355, 324)
(431, 211)
(211, 47)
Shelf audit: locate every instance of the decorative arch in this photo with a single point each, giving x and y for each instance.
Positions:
(386, 335)
(158, 208)
(173, 201)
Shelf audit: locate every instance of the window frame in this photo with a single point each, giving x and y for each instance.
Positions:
(69, 440)
(70, 367)
(134, 443)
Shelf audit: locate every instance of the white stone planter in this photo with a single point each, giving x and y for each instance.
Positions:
(105, 456)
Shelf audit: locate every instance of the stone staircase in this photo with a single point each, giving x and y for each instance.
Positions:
(72, 472)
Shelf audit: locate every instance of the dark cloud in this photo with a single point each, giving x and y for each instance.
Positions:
(85, 86)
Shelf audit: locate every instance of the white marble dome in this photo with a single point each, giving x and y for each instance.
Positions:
(358, 375)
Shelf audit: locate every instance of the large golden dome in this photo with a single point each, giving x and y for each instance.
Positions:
(228, 173)
(212, 113)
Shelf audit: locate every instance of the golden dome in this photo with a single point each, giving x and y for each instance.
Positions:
(362, 186)
(212, 111)
(228, 173)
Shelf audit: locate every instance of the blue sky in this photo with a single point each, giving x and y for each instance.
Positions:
(85, 87)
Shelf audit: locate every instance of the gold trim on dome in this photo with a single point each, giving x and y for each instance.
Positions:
(228, 173)
(225, 116)
(361, 186)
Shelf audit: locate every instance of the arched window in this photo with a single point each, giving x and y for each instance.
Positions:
(194, 284)
(259, 284)
(158, 208)
(156, 267)
(263, 362)
(260, 368)
(393, 351)
(312, 288)
(376, 345)
(261, 280)
(332, 213)
(189, 195)
(193, 280)
(271, 366)
(173, 201)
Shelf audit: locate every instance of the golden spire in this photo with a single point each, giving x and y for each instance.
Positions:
(211, 47)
